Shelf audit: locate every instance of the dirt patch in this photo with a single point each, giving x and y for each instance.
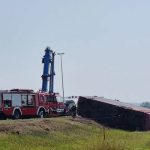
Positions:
(41, 126)
(5, 128)
(85, 121)
(29, 126)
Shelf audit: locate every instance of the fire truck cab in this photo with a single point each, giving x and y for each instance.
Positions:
(18, 103)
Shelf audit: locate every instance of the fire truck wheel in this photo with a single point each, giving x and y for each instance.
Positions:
(17, 114)
(41, 113)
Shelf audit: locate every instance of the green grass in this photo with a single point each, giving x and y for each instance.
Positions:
(66, 134)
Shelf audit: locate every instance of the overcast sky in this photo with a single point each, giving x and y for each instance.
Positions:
(106, 45)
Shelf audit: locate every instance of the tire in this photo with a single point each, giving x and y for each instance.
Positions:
(41, 113)
(17, 114)
(64, 113)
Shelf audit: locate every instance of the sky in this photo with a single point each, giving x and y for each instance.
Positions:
(106, 45)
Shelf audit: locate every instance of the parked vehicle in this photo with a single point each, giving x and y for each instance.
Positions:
(69, 106)
(19, 103)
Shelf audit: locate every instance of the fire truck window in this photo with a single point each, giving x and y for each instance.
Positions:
(24, 100)
(52, 99)
(7, 103)
(42, 98)
(31, 99)
(55, 99)
(59, 99)
(45, 99)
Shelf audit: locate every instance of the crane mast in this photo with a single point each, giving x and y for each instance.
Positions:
(48, 71)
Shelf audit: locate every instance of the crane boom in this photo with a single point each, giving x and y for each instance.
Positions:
(48, 71)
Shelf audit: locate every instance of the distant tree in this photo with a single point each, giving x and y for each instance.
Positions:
(145, 104)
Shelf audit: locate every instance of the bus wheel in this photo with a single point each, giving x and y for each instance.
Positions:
(17, 114)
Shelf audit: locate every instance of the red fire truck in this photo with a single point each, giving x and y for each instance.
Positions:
(19, 103)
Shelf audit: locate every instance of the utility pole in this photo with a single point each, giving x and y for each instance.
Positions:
(62, 78)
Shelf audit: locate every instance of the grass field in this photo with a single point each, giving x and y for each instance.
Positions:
(64, 133)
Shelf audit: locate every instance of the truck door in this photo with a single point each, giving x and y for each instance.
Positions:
(52, 101)
(7, 104)
(28, 105)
